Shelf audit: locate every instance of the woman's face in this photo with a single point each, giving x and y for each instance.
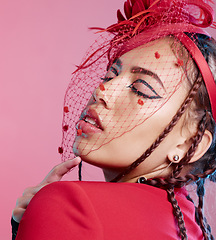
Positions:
(140, 94)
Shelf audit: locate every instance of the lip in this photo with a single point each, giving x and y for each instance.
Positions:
(87, 127)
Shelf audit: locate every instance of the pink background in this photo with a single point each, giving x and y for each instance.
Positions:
(40, 43)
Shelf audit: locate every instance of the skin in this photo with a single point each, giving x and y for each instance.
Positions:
(114, 150)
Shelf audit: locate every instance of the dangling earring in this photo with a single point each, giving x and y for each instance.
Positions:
(175, 158)
(142, 180)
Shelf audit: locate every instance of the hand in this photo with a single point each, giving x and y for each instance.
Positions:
(54, 175)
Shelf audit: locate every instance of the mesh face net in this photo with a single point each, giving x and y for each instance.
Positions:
(132, 80)
(135, 87)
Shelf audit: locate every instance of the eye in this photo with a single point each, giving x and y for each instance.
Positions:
(143, 89)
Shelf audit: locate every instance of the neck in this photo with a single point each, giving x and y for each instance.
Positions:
(133, 176)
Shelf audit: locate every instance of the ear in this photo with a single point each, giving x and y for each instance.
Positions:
(179, 149)
(203, 146)
(182, 148)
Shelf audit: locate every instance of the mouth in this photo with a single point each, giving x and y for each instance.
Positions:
(89, 122)
(90, 116)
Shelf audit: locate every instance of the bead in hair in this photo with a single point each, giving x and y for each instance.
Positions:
(142, 180)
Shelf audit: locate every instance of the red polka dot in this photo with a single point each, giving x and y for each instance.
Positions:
(102, 88)
(66, 110)
(157, 55)
(179, 63)
(60, 150)
(140, 102)
(79, 132)
(65, 128)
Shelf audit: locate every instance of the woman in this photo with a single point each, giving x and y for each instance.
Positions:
(151, 120)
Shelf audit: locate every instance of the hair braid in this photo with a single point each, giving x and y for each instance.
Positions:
(179, 182)
(208, 228)
(172, 180)
(200, 193)
(177, 213)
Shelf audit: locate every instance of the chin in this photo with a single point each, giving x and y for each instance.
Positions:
(81, 145)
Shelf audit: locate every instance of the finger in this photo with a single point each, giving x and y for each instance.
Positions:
(21, 206)
(18, 214)
(31, 190)
(22, 202)
(60, 170)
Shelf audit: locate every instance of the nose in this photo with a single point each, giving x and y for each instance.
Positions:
(102, 96)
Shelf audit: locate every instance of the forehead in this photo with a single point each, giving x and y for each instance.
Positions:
(146, 52)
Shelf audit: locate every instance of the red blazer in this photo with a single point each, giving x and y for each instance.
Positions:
(105, 211)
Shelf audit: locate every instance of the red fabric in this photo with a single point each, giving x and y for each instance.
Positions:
(104, 211)
(204, 69)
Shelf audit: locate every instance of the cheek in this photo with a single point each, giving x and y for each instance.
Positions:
(124, 150)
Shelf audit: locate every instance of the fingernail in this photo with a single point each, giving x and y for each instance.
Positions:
(76, 158)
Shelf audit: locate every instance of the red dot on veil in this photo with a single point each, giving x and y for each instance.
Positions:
(60, 150)
(79, 132)
(179, 63)
(65, 128)
(102, 88)
(66, 110)
(140, 102)
(157, 55)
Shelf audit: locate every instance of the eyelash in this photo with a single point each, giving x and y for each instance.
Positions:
(136, 91)
(106, 79)
(112, 70)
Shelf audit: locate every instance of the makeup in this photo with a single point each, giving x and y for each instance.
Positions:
(89, 122)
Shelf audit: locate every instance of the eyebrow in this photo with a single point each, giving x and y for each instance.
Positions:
(118, 67)
(147, 72)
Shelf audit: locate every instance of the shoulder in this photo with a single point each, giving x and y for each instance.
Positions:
(59, 211)
(65, 196)
(84, 191)
(103, 199)
(78, 193)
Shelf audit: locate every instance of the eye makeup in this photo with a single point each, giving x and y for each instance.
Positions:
(106, 79)
(114, 71)
(140, 70)
(143, 89)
